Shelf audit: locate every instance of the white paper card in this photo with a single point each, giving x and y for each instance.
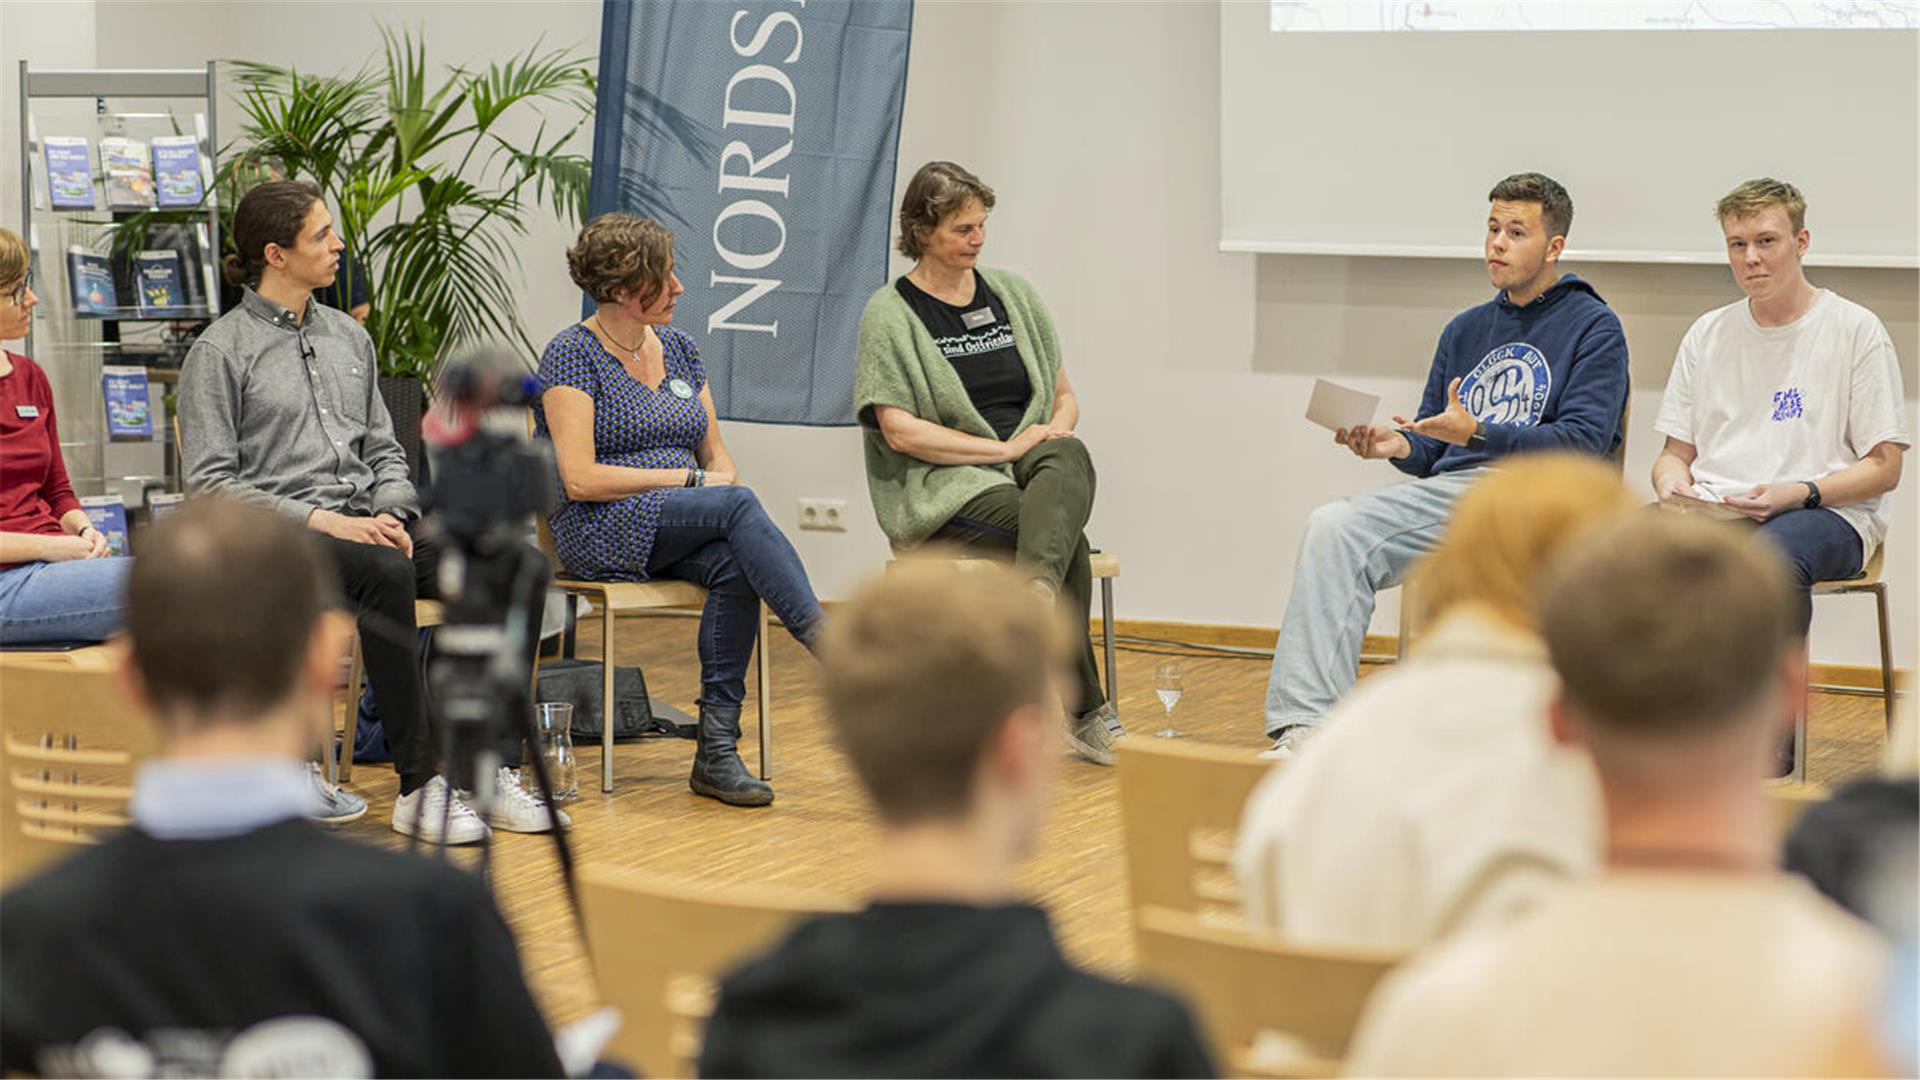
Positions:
(1334, 406)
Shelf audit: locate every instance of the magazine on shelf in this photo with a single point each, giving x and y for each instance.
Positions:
(162, 291)
(176, 170)
(69, 172)
(129, 413)
(90, 282)
(109, 515)
(128, 166)
(160, 505)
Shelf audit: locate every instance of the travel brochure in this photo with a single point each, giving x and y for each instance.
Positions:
(129, 412)
(127, 165)
(90, 282)
(69, 172)
(161, 290)
(109, 515)
(176, 170)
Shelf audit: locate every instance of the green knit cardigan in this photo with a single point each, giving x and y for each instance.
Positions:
(899, 365)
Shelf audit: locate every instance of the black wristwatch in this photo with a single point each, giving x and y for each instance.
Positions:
(1813, 496)
(1478, 440)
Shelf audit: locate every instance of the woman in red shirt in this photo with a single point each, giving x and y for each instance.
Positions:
(57, 582)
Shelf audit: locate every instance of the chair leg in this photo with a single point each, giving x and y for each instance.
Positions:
(1400, 644)
(1798, 774)
(339, 756)
(763, 660)
(569, 636)
(1886, 654)
(1106, 633)
(606, 697)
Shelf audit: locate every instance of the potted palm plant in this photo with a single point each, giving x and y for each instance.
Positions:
(431, 190)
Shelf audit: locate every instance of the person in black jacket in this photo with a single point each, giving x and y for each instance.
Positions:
(223, 934)
(942, 685)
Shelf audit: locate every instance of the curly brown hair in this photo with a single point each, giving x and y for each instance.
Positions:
(940, 188)
(620, 254)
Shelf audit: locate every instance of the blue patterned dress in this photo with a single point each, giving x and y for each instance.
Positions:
(635, 425)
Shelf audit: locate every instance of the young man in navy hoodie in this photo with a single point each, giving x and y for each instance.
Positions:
(941, 683)
(1541, 366)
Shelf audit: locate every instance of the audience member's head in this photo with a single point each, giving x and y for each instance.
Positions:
(942, 684)
(1507, 529)
(1675, 642)
(227, 616)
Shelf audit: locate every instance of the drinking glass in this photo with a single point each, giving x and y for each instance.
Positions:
(553, 728)
(1166, 683)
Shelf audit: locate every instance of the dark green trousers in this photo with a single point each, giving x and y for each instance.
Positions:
(1042, 524)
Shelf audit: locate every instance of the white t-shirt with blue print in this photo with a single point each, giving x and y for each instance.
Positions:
(1780, 404)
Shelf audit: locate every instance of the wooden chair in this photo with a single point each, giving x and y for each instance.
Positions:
(615, 598)
(1106, 567)
(340, 755)
(69, 742)
(1267, 1008)
(1180, 806)
(659, 947)
(1867, 581)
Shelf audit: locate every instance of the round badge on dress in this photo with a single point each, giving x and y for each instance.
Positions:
(680, 388)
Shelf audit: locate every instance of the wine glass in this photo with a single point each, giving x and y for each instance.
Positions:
(1166, 683)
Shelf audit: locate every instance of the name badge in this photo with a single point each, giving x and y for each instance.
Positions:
(27, 412)
(680, 389)
(977, 318)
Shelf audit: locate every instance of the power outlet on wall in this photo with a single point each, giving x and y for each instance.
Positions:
(824, 515)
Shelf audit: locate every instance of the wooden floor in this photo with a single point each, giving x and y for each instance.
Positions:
(816, 833)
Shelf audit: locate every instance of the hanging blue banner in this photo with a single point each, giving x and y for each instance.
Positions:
(763, 133)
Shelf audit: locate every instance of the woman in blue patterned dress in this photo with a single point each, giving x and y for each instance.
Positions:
(651, 490)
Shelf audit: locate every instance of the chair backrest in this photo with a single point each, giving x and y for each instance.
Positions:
(659, 947)
(1253, 988)
(69, 742)
(1180, 806)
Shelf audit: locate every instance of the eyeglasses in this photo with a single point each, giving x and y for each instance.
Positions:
(18, 294)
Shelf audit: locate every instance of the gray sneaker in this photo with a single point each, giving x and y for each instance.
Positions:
(1288, 743)
(1093, 736)
(333, 805)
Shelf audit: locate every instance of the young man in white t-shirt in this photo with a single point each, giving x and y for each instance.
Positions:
(1691, 953)
(1785, 407)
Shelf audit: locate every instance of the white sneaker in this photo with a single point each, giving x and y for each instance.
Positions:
(516, 809)
(1290, 741)
(421, 812)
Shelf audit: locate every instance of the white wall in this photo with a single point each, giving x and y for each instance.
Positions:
(1098, 126)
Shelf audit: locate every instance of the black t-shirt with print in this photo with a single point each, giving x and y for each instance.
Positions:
(982, 354)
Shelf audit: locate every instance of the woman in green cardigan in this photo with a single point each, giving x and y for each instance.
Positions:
(969, 418)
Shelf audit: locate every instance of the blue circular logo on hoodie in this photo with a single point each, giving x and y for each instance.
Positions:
(1508, 386)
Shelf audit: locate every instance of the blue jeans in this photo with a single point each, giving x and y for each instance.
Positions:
(1353, 549)
(720, 538)
(1819, 546)
(77, 600)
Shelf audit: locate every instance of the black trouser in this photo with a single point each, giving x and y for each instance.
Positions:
(381, 584)
(1042, 524)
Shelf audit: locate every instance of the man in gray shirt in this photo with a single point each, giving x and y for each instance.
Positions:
(279, 405)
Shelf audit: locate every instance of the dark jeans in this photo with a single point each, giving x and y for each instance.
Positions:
(1042, 523)
(381, 584)
(721, 539)
(1819, 546)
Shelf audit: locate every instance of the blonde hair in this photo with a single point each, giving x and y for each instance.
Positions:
(1507, 528)
(922, 669)
(1756, 195)
(14, 258)
(621, 253)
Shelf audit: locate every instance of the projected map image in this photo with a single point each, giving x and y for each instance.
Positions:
(1369, 16)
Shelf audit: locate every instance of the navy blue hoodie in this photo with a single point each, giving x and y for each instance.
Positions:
(1551, 375)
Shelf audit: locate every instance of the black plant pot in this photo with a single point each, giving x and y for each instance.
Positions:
(406, 403)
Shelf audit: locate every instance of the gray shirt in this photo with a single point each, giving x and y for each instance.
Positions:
(289, 414)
